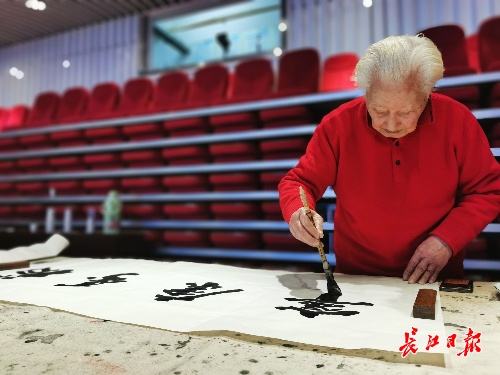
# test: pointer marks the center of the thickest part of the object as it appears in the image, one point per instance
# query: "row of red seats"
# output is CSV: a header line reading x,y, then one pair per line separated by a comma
x,y
476,53
298,73
211,85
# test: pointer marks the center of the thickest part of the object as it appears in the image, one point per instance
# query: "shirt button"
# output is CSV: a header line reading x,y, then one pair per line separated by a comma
x,y
398,162
397,143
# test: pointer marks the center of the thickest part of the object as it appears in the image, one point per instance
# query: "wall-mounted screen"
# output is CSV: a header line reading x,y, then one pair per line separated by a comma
x,y
226,32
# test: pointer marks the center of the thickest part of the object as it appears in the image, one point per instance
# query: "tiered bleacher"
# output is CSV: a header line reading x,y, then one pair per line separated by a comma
x,y
197,159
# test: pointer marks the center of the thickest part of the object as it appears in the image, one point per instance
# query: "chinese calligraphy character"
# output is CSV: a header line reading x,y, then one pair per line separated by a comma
x,y
111,279
192,291
42,272
433,341
471,341
451,341
409,345
322,306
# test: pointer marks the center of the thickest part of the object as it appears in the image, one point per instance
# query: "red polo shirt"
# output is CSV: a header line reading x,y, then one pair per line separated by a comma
x,y
441,179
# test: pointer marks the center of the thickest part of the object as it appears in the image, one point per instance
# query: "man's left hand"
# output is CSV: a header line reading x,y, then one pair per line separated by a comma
x,y
427,261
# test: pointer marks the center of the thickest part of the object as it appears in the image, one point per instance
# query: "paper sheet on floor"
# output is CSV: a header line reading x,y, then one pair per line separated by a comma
x,y
373,312
51,248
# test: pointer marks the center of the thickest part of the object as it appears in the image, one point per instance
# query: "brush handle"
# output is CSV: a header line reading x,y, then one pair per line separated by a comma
x,y
333,288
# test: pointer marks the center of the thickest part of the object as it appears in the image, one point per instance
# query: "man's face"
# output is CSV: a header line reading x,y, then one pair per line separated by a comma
x,y
394,109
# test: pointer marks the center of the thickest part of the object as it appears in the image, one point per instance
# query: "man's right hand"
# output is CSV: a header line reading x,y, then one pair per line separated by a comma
x,y
302,228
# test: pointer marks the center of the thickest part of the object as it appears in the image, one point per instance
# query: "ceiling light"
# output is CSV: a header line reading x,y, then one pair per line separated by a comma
x,y
277,51
367,3
13,71
66,64
19,74
35,4
282,26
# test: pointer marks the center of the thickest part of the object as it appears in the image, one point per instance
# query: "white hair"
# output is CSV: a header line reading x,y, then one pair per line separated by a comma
x,y
397,58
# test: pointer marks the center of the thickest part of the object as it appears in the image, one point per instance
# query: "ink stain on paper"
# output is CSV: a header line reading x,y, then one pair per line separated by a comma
x,y
111,279
43,339
192,291
182,344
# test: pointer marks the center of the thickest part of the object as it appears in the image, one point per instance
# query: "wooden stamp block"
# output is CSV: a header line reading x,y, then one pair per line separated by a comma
x,y
425,304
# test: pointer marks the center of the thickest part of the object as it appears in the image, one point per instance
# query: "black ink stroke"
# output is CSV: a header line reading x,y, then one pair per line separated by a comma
x,y
322,305
192,291
41,272
111,279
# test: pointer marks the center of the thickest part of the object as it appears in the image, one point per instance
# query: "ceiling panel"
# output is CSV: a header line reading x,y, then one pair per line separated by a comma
x,y
19,23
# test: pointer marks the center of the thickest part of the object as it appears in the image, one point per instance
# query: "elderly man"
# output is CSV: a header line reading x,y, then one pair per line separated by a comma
x,y
414,176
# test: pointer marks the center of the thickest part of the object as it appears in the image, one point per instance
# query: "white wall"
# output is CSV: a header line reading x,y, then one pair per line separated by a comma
x,y
111,51
334,26
98,53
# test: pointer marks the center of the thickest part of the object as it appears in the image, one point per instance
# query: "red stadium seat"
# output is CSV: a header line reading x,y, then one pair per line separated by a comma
x,y
235,211
236,240
186,155
488,37
66,187
284,241
141,212
337,72
172,90
187,211
13,119
234,151
450,40
471,43
141,184
32,212
209,86
136,99
43,113
494,135
236,181
101,186
73,108
103,103
489,52
3,115
252,80
186,238
298,74
16,117
32,188
185,184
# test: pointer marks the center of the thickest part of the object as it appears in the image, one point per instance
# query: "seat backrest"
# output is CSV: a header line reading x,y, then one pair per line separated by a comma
x,y
44,109
337,72
73,105
209,84
3,115
450,40
137,96
489,44
16,117
172,89
104,99
471,43
298,72
252,78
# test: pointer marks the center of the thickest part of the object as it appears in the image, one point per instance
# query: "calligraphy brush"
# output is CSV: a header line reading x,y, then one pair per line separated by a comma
x,y
333,289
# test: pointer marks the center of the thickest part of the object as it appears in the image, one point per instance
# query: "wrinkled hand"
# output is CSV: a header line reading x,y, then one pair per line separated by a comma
x,y
427,261
302,228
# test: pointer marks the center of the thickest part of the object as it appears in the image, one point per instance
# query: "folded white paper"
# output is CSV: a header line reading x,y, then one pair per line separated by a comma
x,y
51,248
